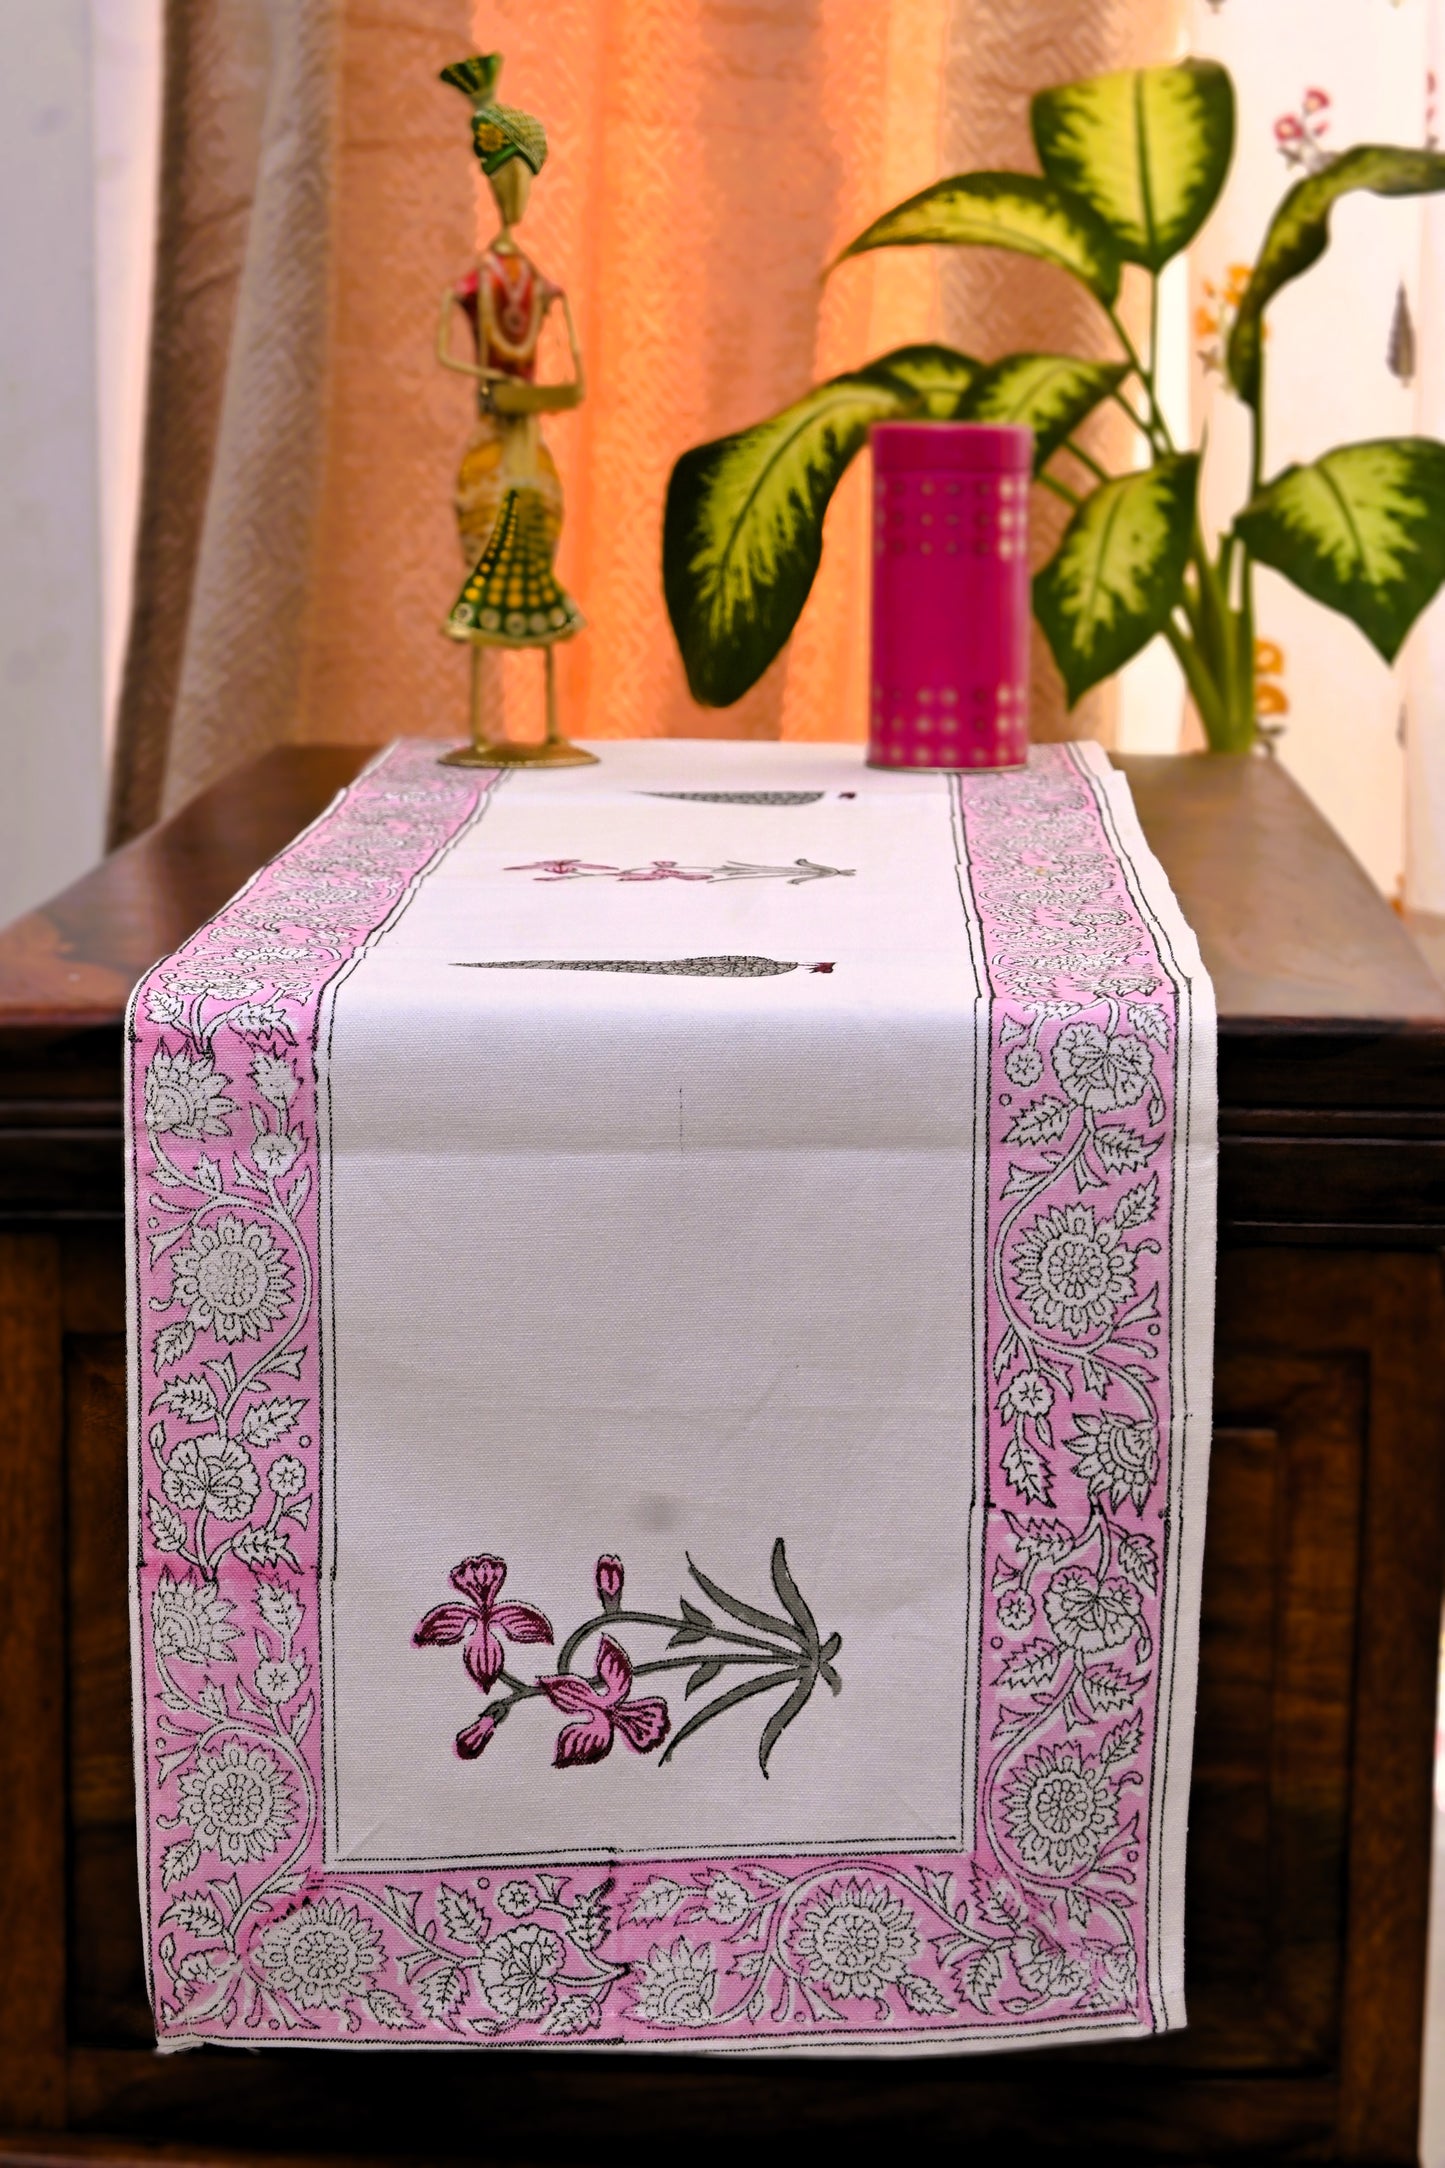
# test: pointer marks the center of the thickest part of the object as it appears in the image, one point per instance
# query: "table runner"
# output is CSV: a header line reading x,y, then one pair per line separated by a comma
x,y
671,1313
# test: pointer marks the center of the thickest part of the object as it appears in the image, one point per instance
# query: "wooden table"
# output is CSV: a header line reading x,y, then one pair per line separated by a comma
x,y
1309,1844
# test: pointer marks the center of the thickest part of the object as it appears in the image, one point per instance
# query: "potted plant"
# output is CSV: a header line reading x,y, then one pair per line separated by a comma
x,y
1132,163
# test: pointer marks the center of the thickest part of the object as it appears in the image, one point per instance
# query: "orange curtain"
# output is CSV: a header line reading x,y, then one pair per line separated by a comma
x,y
707,162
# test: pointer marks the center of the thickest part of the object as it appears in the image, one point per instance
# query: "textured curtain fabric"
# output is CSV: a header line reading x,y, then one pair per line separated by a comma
x,y
298,549
1353,352
215,85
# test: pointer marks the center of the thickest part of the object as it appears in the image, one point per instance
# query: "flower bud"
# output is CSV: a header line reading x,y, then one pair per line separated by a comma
x,y
609,1581
472,1741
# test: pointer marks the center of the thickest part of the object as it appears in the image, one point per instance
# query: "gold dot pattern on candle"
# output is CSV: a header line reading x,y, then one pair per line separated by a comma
x,y
950,550
988,521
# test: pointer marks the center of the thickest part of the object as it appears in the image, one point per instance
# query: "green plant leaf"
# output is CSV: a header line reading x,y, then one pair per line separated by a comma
x,y
1361,530
1146,148
938,375
743,529
1049,393
1117,572
1016,211
1299,234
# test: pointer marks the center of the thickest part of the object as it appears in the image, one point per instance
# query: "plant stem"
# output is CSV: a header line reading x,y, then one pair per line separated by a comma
x,y
1139,421
1245,674
1086,459
1215,630
1158,427
1060,489
608,1619
1207,695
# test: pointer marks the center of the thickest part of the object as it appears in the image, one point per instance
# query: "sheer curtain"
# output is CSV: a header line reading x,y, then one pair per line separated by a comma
x,y
297,549
1354,352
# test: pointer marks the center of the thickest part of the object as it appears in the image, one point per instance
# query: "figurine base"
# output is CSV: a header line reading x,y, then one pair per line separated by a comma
x,y
507,753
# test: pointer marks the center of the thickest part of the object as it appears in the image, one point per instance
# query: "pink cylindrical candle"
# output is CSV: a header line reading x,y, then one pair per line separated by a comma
x,y
950,663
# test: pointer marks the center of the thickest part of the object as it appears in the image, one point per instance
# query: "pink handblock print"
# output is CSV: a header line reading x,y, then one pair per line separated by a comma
x,y
797,874
560,869
783,1652
480,1581
602,1710
578,869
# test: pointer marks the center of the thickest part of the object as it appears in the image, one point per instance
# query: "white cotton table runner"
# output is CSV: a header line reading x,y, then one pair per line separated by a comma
x,y
671,1331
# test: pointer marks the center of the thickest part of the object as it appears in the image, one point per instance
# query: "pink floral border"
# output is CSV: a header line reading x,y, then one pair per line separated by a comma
x,y
1044,1929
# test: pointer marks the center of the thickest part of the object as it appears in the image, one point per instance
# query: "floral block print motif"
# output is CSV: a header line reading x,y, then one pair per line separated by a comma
x,y
1047,1923
779,1652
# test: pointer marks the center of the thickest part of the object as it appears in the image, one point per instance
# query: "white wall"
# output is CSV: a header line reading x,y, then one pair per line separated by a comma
x,y
50,701
79,108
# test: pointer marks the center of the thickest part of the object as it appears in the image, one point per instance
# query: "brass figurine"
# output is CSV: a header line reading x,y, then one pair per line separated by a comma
x,y
509,496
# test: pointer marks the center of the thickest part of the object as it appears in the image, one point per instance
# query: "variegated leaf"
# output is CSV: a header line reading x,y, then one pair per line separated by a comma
x,y
1117,573
1048,393
1361,530
1015,211
1146,148
1299,234
938,375
743,528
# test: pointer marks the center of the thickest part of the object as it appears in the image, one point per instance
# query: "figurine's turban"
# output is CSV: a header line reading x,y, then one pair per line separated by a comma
x,y
499,132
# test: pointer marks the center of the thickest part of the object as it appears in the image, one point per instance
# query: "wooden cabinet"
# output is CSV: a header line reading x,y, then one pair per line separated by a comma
x,y
1310,1824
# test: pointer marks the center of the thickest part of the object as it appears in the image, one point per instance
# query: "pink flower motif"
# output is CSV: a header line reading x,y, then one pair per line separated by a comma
x,y
664,869
609,1581
560,869
476,1736
1316,100
602,1709
481,1620
1287,128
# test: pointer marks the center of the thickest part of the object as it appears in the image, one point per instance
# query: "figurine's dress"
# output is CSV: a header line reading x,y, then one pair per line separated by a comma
x,y
509,497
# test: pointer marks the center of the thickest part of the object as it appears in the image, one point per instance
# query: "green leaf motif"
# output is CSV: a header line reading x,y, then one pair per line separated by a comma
x,y
1016,211
1146,148
937,375
1299,234
743,529
1361,530
1118,571
1048,393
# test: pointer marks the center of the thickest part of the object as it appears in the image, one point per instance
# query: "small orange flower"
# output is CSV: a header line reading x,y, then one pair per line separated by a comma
x,y
1269,662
